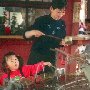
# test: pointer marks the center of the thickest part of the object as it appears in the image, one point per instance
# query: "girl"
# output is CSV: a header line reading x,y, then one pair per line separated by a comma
x,y
12,66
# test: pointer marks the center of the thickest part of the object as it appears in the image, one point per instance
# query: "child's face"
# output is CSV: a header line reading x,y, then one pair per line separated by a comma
x,y
12,63
57,13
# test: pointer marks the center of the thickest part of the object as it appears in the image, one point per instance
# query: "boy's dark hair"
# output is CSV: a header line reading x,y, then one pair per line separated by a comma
x,y
4,64
59,4
87,20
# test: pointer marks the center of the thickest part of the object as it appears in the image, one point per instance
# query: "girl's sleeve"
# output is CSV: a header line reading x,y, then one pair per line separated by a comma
x,y
1,82
2,78
31,70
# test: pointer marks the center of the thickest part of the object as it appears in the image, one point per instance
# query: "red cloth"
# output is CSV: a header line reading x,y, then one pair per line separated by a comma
x,y
7,31
62,62
27,71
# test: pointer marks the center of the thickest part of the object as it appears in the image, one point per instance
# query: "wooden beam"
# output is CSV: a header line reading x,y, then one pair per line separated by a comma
x,y
24,4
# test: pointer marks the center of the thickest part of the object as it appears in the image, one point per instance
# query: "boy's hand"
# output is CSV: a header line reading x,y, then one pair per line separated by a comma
x,y
62,42
66,41
47,63
35,33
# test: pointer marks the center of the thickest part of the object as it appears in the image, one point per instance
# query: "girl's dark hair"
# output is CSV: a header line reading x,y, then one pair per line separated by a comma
x,y
4,64
20,59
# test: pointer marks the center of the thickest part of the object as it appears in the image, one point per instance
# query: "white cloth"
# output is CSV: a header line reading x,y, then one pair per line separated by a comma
x,y
81,49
